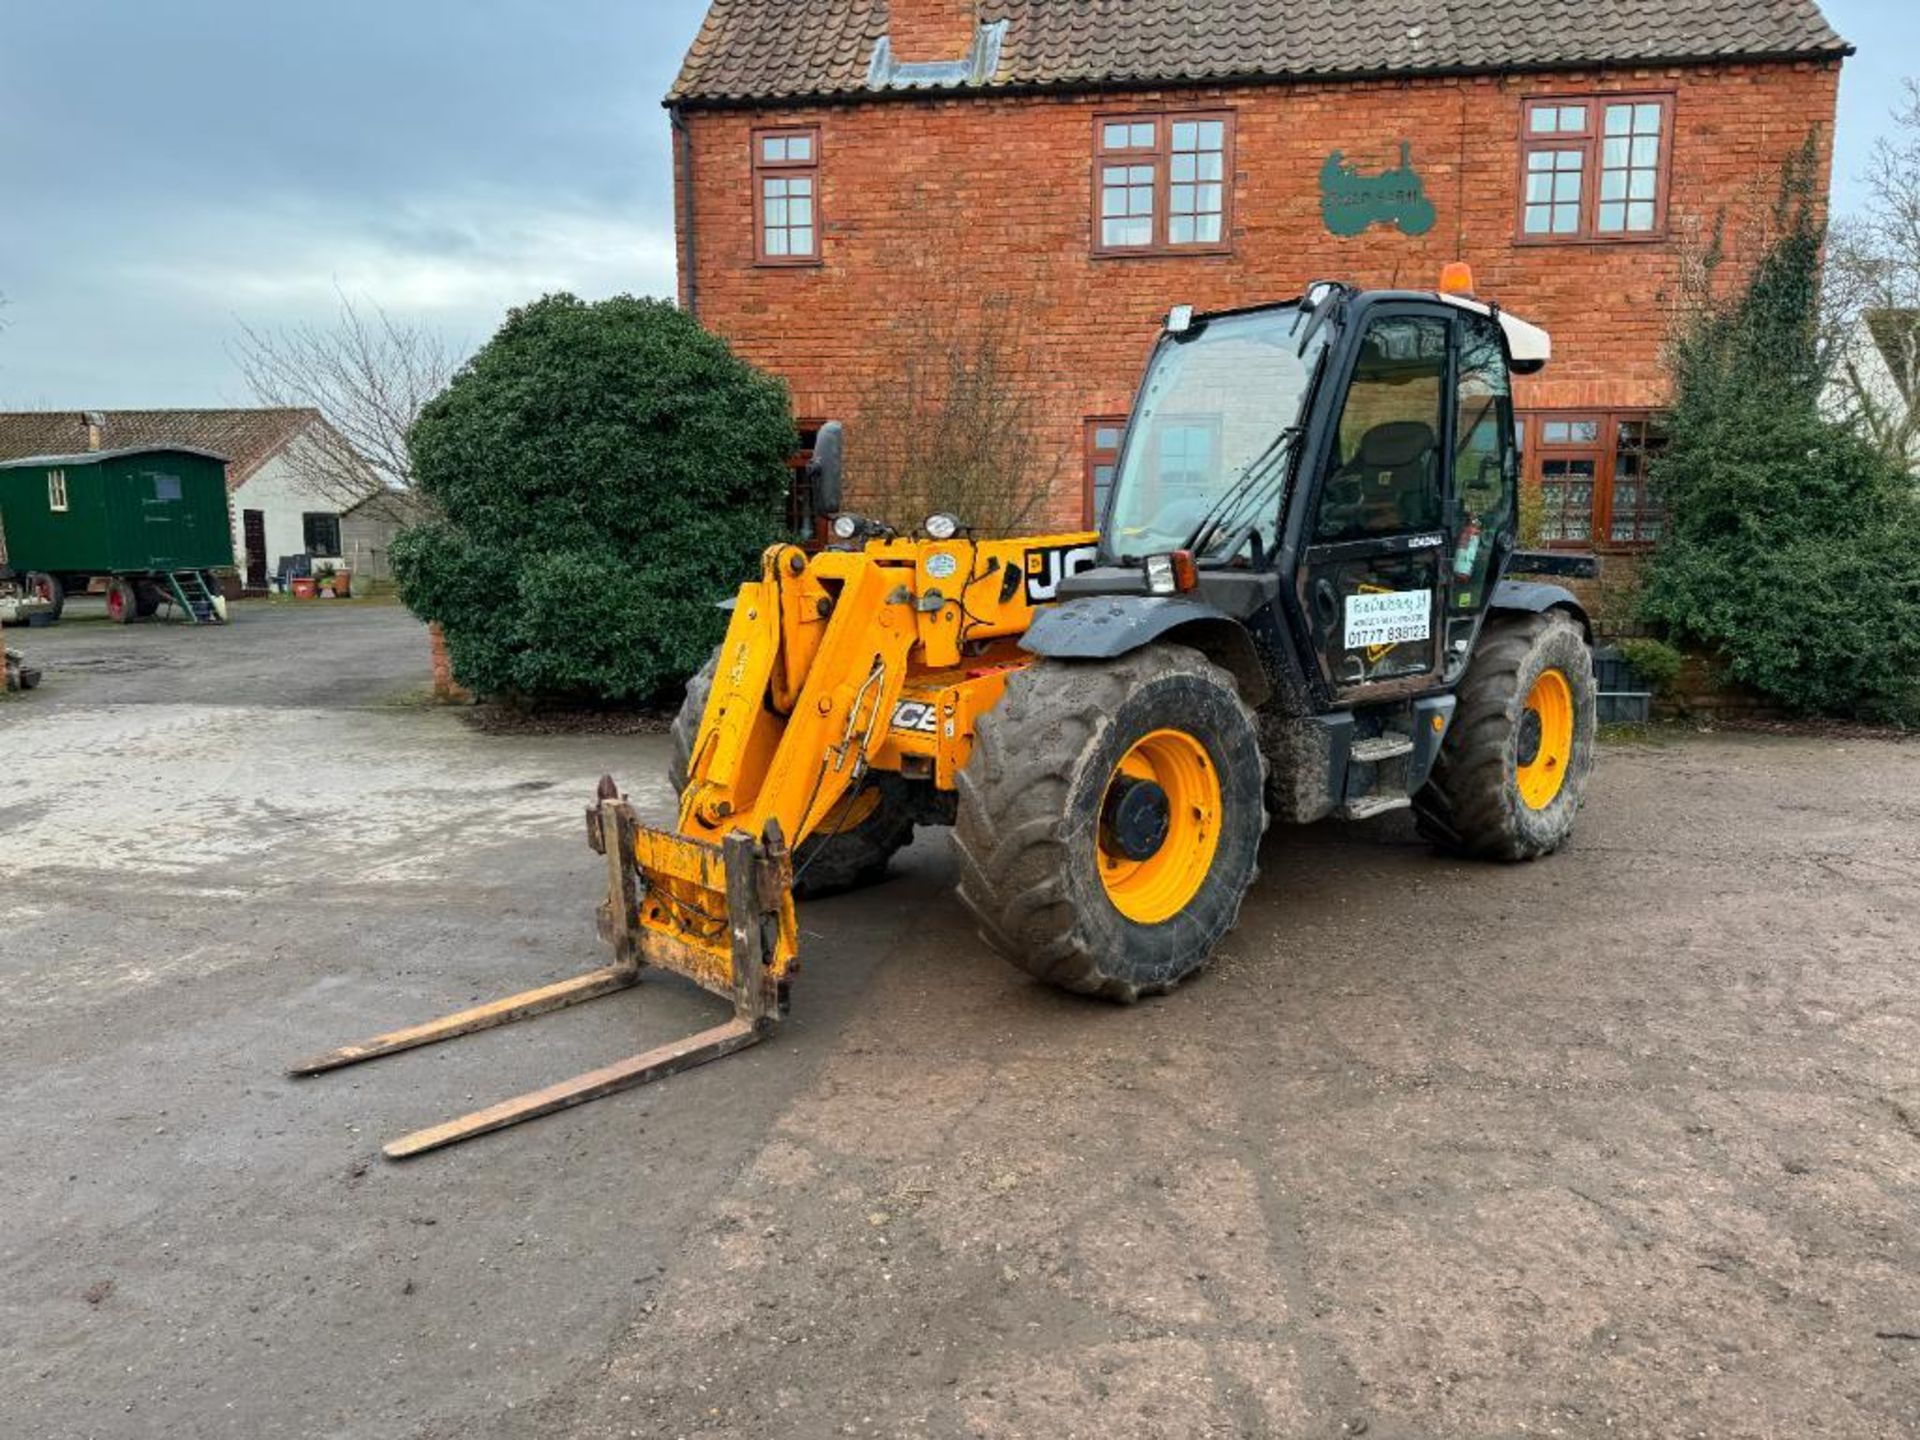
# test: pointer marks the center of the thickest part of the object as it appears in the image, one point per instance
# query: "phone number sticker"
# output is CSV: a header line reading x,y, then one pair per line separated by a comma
x,y
1388,617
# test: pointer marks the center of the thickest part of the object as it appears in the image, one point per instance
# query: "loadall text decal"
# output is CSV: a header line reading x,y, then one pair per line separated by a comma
x,y
1047,568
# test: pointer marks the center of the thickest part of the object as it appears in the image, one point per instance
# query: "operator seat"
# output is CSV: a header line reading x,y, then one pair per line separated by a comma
x,y
1388,485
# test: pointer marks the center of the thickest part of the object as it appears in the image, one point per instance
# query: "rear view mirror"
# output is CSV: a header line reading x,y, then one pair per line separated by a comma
x,y
826,469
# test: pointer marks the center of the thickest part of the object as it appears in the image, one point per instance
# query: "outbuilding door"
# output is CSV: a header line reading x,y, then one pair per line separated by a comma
x,y
253,530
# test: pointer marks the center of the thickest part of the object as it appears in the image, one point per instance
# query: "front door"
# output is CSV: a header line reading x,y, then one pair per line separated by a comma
x,y
253,527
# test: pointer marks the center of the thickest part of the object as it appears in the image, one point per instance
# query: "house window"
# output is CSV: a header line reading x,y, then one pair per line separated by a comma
x,y
1592,474
57,490
786,196
321,533
1160,183
1103,457
1594,167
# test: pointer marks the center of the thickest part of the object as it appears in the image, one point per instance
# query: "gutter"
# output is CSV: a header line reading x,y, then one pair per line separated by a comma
x,y
689,250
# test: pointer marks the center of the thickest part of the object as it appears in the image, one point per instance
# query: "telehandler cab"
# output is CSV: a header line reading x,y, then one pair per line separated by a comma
x,y
1297,606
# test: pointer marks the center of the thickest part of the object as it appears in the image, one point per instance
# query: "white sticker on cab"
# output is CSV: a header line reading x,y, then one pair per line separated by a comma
x,y
1388,617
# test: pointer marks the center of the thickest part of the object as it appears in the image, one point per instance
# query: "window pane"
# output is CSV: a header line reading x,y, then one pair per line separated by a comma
x,y
1640,215
1114,137
776,213
800,147
1539,188
1180,200
1180,230
1646,149
1568,159
800,185
1212,165
1207,229
1542,120
1185,168
1141,136
1213,134
1113,200
1385,474
1556,432
1566,219
1613,154
776,241
1646,119
1642,185
1573,119
1540,159
1612,217
802,239
1619,119
1140,200
801,211
1585,432
1613,185
1185,135
1539,220
1106,437
1566,186
1127,232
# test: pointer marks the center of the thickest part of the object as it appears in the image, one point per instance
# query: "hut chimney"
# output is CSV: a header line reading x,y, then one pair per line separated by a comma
x,y
96,429
932,30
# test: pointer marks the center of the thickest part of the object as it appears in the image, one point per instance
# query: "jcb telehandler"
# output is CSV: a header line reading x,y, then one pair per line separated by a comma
x,y
1296,606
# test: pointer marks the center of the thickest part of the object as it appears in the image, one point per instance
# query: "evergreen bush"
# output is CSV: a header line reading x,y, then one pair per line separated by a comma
x,y
602,474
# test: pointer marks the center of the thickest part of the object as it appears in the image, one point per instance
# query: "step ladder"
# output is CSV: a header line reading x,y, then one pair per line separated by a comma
x,y
1377,776
194,597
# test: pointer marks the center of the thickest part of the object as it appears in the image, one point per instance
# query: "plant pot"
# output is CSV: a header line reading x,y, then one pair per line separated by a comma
x,y
342,585
304,587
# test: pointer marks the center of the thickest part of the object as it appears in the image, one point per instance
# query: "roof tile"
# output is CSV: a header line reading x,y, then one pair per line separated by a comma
x,y
758,50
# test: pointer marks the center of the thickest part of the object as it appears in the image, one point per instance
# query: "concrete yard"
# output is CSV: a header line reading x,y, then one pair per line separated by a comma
x,y
1623,1143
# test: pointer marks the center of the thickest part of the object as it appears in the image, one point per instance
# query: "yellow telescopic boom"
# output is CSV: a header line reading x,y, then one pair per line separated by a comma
x,y
835,665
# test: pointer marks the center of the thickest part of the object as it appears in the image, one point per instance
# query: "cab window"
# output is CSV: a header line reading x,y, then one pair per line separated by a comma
x,y
1385,475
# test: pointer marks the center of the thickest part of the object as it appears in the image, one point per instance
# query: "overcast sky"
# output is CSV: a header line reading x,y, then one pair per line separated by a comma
x,y
171,168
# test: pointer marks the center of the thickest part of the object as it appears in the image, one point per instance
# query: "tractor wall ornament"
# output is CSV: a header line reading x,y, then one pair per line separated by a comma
x,y
1351,202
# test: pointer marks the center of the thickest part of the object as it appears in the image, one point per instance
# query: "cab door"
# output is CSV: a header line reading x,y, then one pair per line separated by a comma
x,y
1413,514
1373,573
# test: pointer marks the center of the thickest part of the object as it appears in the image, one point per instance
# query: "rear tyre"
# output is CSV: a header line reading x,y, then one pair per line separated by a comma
x,y
48,588
1110,819
859,838
1512,771
121,602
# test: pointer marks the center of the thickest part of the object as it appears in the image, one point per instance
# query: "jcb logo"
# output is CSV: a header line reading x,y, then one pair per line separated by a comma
x,y
917,716
1047,568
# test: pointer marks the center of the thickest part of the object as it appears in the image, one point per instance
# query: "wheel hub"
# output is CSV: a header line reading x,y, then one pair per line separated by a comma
x,y
1527,744
1135,819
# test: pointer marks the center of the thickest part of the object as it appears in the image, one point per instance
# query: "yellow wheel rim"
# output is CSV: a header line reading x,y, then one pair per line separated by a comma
x,y
850,813
1150,890
1546,740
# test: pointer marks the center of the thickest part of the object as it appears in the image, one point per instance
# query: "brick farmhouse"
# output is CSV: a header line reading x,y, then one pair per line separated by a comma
x,y
844,166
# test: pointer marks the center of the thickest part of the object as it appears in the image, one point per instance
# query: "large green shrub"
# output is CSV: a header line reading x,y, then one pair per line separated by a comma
x,y
1792,547
604,474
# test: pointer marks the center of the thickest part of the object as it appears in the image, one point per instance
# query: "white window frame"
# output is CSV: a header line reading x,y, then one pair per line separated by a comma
x,y
57,491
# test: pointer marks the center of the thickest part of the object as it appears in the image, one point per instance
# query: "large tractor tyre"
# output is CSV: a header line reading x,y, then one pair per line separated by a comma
x,y
48,588
854,845
1511,773
1110,819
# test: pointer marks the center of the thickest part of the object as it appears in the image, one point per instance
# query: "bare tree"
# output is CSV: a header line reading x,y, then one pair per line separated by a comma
x,y
368,375
953,423
1873,295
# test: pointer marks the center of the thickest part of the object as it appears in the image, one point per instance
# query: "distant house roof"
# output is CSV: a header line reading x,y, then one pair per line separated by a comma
x,y
1896,334
752,50
247,438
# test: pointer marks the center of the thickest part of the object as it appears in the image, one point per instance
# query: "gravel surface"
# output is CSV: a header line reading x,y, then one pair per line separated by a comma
x,y
1623,1143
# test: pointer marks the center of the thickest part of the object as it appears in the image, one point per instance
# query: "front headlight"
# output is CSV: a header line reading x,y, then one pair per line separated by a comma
x,y
845,527
942,526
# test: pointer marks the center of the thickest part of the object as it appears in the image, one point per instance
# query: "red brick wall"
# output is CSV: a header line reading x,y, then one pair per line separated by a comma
x,y
950,201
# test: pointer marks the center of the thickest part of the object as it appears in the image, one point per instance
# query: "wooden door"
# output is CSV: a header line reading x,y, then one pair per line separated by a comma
x,y
253,525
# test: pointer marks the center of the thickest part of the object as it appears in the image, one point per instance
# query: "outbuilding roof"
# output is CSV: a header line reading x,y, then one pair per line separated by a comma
x,y
246,439
759,50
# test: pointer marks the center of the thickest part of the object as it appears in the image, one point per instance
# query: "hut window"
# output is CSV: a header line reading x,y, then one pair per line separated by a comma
x,y
166,487
56,490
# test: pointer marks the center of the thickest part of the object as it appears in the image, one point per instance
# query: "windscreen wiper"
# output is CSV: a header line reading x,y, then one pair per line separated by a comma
x,y
1234,499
